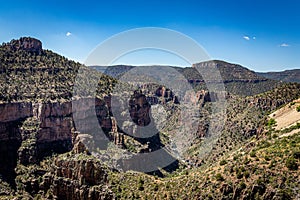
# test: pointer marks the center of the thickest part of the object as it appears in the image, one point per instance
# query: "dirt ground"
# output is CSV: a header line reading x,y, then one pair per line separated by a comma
x,y
286,116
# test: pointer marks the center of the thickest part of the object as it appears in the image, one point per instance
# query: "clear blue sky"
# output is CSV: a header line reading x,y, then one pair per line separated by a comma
x,y
261,35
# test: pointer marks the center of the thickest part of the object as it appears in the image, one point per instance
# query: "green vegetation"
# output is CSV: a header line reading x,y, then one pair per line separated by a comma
x,y
298,108
223,162
291,163
219,177
28,76
252,154
263,172
291,128
271,122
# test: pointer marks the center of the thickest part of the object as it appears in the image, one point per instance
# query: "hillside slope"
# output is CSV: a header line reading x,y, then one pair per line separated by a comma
x,y
285,76
263,169
30,73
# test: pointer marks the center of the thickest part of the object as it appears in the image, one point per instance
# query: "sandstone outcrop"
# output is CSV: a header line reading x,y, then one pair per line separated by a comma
x,y
68,176
139,109
77,177
200,97
27,44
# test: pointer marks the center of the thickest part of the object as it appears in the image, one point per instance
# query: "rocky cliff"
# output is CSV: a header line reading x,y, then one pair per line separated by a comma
x,y
32,131
27,44
12,116
68,176
78,177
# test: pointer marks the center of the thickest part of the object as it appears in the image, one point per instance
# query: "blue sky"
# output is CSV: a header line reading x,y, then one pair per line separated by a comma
x,y
261,35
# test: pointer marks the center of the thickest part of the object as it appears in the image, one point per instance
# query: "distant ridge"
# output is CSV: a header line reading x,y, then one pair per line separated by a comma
x,y
285,76
237,79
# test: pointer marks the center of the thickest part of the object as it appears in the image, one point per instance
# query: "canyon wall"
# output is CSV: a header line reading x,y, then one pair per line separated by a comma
x,y
36,130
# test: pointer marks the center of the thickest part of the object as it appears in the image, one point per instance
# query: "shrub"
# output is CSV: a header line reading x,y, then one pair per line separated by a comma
x,y
271,122
265,144
239,175
260,181
267,158
223,162
272,164
298,108
284,194
296,154
247,174
242,169
219,177
242,185
252,154
236,157
38,197
247,161
291,164
141,184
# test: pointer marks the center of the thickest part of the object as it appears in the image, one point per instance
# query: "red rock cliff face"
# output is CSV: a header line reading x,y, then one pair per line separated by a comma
x,y
55,118
139,109
11,117
12,114
76,179
15,111
85,112
56,121
68,177
31,131
201,97
167,95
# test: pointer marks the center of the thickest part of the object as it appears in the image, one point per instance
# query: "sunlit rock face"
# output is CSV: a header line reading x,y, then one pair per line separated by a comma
x,y
27,44
139,109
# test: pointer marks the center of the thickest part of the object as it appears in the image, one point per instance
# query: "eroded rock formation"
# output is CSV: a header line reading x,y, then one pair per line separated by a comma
x,y
77,178
139,109
27,44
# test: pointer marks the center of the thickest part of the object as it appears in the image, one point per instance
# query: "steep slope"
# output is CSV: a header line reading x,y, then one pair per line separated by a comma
x,y
246,117
285,76
263,169
36,119
29,73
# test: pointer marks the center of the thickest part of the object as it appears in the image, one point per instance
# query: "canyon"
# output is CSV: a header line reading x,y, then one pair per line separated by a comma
x,y
52,139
